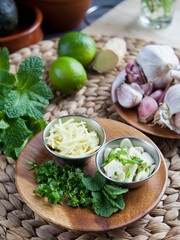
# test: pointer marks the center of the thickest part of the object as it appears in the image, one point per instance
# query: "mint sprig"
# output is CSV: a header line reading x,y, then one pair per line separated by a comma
x,y
22,103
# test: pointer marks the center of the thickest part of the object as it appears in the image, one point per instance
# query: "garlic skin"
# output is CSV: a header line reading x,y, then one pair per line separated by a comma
x,y
157,61
127,96
171,106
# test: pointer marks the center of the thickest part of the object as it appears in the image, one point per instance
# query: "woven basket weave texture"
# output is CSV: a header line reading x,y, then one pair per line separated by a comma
x,y
18,222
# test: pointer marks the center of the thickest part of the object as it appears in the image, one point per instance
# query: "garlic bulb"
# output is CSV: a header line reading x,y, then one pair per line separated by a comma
x,y
171,106
127,96
157,61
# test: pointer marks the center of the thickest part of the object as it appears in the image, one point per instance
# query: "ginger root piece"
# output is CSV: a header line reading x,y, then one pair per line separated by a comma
x,y
110,55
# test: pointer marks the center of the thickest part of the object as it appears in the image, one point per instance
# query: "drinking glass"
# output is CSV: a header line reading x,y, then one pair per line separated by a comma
x,y
156,14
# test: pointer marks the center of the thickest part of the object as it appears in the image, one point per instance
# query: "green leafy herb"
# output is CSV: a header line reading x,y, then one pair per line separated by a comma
x,y
118,156
113,156
115,190
22,103
127,175
102,206
141,167
79,188
4,59
95,183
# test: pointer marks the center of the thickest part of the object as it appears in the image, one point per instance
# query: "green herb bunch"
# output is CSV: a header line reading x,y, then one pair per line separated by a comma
x,y
22,103
78,187
156,5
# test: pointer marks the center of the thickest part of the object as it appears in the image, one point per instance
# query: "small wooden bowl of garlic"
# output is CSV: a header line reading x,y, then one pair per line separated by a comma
x,y
129,162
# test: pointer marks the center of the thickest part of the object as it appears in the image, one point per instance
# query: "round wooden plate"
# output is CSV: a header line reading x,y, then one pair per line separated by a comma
x,y
131,116
138,202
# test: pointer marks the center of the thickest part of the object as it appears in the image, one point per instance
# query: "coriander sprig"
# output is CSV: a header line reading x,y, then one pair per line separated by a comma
x,y
78,187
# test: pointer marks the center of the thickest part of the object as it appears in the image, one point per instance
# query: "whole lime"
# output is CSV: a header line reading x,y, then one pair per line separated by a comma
x,y
78,45
67,75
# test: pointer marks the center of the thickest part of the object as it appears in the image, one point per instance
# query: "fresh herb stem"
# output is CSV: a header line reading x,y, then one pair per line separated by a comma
x,y
155,6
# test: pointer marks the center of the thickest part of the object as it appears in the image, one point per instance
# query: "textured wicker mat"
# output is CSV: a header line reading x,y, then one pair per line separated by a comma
x,y
17,221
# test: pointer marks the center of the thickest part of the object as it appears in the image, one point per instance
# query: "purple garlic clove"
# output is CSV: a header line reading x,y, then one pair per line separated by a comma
x,y
157,95
147,109
134,73
128,97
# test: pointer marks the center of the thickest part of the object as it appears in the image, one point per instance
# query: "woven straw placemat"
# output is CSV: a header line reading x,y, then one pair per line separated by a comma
x,y
17,221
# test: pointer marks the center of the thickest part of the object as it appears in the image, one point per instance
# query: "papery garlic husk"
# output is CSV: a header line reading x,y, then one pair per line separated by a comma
x,y
171,106
157,61
127,96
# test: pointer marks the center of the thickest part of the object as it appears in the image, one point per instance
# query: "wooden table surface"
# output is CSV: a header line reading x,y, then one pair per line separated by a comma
x,y
122,20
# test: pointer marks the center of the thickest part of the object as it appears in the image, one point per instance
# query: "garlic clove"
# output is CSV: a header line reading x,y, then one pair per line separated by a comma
x,y
172,99
127,96
175,74
137,87
161,100
162,118
156,62
134,73
157,94
147,88
147,109
171,106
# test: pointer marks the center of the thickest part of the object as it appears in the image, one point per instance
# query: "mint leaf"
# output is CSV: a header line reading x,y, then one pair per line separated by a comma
x,y
15,104
36,126
6,78
101,205
10,152
35,110
115,190
40,92
118,202
4,59
95,183
16,134
17,151
3,123
30,72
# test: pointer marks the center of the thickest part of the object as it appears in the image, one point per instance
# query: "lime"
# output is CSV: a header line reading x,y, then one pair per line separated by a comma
x,y
77,45
67,75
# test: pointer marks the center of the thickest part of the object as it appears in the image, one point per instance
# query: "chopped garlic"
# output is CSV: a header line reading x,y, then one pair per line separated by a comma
x,y
72,139
128,163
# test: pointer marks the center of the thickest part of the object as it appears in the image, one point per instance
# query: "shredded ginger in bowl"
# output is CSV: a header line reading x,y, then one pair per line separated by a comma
x,y
72,139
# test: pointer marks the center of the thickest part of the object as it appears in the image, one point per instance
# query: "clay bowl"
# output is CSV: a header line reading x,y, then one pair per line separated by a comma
x,y
28,30
62,15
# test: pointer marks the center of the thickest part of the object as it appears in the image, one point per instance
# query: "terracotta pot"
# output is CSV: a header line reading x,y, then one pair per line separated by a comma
x,y
28,30
62,15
